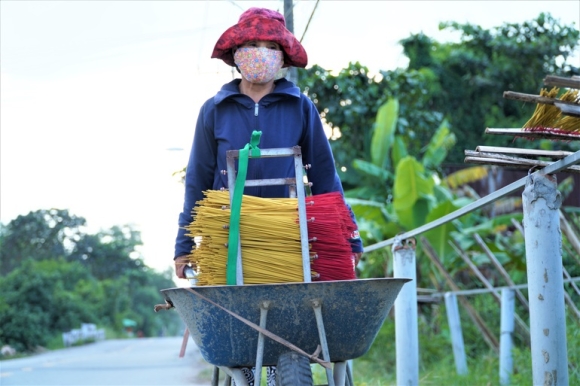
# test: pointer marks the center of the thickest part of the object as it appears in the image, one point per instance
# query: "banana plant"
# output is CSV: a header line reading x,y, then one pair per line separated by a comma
x,y
404,192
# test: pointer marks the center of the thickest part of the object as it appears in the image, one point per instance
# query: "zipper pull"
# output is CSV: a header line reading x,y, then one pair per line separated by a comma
x,y
256,110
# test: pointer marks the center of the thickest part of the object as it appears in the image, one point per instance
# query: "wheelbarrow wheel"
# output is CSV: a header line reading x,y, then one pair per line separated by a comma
x,y
293,369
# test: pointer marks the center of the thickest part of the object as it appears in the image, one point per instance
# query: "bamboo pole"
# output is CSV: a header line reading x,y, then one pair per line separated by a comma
x,y
569,232
478,291
488,336
571,253
567,297
571,305
501,269
518,227
567,276
488,285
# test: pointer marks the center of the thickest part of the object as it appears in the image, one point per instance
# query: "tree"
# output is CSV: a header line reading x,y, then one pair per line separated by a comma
x,y
456,85
349,101
394,140
143,292
39,300
473,73
58,276
39,235
109,253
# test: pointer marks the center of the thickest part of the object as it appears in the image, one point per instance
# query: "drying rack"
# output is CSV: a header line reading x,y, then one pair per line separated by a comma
x,y
529,158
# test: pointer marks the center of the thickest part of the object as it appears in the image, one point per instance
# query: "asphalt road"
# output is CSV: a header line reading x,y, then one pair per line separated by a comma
x,y
135,362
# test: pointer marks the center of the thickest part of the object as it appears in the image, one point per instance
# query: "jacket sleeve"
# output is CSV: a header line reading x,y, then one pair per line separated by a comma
x,y
199,175
317,152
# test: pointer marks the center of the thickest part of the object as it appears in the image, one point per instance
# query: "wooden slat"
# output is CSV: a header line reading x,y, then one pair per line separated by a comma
x,y
532,134
566,109
527,161
556,154
551,80
534,98
506,160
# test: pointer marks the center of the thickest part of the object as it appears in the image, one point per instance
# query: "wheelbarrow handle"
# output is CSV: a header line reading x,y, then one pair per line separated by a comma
x,y
191,275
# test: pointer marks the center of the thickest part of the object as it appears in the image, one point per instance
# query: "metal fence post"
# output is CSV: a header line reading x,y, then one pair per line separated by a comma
x,y
454,322
543,241
506,363
406,327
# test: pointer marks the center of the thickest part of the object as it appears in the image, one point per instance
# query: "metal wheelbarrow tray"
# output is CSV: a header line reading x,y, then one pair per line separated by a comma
x,y
353,311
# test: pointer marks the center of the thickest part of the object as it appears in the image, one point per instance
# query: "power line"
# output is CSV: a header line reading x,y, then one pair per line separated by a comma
x,y
309,20
236,4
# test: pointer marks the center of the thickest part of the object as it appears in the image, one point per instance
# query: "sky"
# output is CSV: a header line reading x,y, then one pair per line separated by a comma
x,y
98,99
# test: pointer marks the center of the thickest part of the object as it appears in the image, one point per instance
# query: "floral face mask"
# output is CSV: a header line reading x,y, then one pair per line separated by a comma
x,y
258,64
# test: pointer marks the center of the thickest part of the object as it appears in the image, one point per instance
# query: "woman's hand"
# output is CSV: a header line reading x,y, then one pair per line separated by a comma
x,y
181,262
357,257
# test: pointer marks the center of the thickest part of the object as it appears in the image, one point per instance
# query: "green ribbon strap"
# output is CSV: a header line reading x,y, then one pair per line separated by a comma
x,y
236,206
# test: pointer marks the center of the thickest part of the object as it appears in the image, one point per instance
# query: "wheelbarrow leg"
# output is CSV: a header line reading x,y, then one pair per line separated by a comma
x,y
340,373
317,306
215,377
349,380
264,306
236,374
184,343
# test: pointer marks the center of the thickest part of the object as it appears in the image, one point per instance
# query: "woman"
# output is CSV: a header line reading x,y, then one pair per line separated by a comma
x,y
259,45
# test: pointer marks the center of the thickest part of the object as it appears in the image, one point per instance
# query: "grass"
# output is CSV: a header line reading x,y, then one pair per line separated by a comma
x,y
378,367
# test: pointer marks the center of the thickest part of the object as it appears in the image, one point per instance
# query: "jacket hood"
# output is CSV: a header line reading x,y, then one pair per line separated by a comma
x,y
283,89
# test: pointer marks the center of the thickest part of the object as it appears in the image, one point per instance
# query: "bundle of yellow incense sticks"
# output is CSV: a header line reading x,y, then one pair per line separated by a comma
x,y
549,118
269,238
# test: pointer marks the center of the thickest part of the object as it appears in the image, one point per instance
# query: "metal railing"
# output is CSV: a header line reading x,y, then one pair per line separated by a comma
x,y
550,169
404,265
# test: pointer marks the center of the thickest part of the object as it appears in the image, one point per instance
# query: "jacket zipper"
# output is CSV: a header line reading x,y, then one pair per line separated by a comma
x,y
255,174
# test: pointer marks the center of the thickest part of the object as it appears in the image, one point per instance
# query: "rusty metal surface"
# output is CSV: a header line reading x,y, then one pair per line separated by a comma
x,y
353,312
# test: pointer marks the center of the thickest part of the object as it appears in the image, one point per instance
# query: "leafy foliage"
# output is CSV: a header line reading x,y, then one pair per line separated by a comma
x,y
40,298
349,103
391,132
56,276
384,133
108,254
44,234
472,75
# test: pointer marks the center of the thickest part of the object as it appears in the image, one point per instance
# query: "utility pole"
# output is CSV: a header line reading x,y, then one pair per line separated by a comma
x,y
289,16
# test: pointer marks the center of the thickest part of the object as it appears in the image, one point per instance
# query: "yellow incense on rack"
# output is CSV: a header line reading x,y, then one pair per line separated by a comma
x,y
547,117
269,238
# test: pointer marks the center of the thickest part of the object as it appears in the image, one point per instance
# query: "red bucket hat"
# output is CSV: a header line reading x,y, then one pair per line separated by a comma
x,y
261,24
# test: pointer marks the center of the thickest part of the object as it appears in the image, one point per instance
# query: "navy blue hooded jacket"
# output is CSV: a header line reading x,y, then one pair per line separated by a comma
x,y
286,118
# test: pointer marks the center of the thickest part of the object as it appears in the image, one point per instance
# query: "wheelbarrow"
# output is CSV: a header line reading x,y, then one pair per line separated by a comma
x,y
230,323
341,319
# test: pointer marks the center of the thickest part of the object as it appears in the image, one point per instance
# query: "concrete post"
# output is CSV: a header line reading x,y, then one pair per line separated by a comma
x,y
541,204
406,327
506,362
454,322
